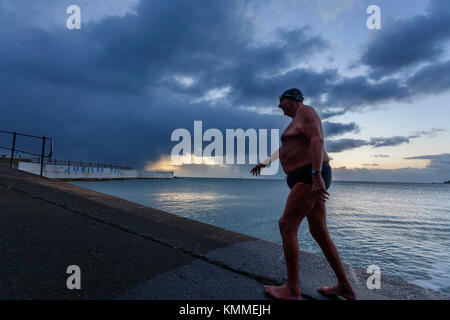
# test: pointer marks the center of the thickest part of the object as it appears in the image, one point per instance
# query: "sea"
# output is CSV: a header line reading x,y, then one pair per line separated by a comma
x,y
404,228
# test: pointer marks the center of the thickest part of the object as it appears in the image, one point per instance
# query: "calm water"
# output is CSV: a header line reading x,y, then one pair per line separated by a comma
x,y
402,228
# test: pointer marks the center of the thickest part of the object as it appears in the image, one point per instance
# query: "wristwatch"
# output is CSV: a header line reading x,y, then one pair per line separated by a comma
x,y
315,172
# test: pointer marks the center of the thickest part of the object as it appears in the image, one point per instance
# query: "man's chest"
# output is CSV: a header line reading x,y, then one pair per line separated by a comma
x,y
292,131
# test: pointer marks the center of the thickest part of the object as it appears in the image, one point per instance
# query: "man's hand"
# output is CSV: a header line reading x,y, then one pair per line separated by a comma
x,y
318,187
257,169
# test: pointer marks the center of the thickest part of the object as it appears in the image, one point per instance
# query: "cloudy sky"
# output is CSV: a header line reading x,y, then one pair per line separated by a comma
x,y
117,88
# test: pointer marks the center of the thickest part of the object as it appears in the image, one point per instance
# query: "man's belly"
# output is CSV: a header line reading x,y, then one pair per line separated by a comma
x,y
294,155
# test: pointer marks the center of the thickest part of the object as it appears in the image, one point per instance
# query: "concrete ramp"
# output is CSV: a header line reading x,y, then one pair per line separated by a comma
x,y
129,251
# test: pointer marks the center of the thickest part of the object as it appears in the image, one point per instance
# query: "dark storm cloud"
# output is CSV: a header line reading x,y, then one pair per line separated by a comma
x,y
344,144
332,129
110,91
438,161
431,133
330,113
410,41
107,92
358,92
431,79
211,42
339,145
397,140
389,142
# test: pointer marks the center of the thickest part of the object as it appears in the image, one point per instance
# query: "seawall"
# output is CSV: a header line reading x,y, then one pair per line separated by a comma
x,y
129,251
90,172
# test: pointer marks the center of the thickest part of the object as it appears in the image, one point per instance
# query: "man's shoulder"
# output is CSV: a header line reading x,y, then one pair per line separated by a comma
x,y
306,111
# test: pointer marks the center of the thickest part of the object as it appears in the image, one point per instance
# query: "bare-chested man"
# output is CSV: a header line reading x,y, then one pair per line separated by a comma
x,y
304,160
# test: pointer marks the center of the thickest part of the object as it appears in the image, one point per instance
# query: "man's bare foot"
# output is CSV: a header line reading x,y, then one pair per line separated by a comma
x,y
344,291
282,292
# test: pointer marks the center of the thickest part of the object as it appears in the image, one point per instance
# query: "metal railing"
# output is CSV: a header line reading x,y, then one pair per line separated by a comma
x,y
13,148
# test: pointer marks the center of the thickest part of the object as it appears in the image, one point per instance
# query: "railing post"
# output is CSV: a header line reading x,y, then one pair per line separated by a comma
x,y
12,150
42,155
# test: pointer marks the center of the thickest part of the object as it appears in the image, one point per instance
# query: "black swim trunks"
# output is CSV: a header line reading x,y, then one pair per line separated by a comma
x,y
304,175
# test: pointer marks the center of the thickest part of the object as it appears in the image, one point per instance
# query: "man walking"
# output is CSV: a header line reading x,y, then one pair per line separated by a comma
x,y
304,160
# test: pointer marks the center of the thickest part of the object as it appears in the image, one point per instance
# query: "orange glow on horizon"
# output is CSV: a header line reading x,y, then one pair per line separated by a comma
x,y
165,162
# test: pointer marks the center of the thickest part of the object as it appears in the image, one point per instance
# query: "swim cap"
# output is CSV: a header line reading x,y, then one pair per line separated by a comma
x,y
292,94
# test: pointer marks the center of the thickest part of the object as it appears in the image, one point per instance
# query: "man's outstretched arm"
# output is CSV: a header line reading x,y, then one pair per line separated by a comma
x,y
257,169
273,157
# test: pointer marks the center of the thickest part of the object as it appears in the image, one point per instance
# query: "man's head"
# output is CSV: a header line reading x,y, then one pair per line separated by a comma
x,y
290,101
292,94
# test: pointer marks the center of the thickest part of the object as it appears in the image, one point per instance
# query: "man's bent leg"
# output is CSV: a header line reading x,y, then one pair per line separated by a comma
x,y
319,231
299,203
